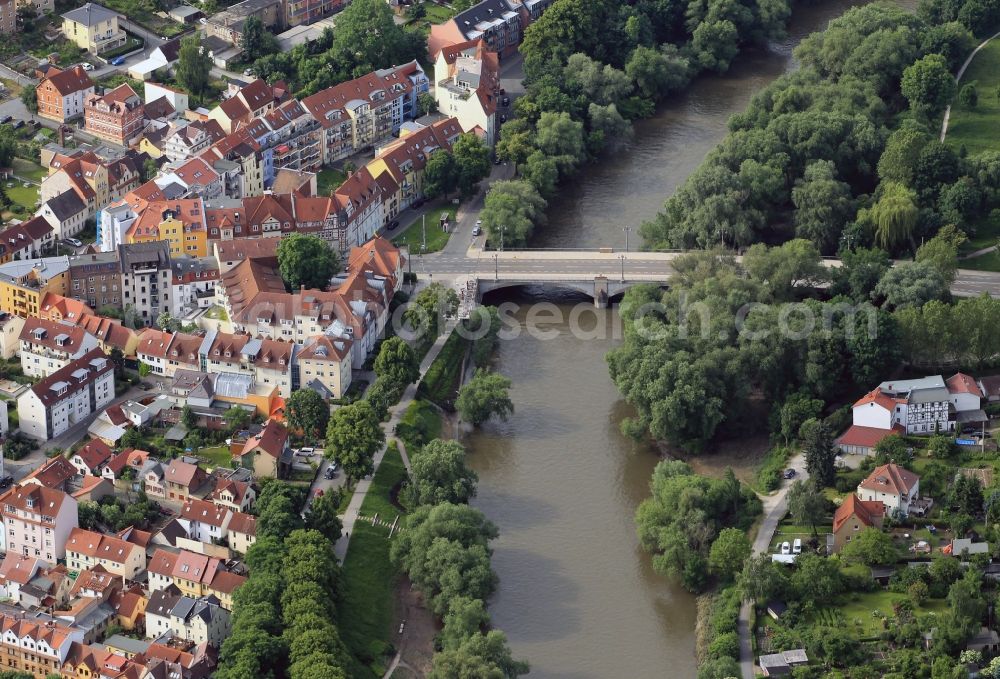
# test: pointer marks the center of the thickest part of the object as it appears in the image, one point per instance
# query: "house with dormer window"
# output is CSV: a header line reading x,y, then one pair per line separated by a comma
x,y
37,521
67,397
47,346
895,487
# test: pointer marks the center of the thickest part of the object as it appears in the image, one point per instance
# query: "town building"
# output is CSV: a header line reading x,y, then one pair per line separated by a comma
x,y
89,549
115,116
8,17
895,487
252,101
182,479
26,240
95,279
61,94
498,23
47,346
58,308
23,284
324,365
145,278
853,516
195,575
193,284
467,86
227,25
162,58
201,620
66,397
358,114
189,140
205,521
237,496
180,222
39,647
91,458
37,521
93,28
267,453
242,532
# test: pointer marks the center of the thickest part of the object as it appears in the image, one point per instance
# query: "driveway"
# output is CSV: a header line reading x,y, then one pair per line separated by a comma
x,y
775,507
322,483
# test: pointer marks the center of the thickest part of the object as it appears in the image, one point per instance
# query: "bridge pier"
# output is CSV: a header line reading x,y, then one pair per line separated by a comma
x,y
601,292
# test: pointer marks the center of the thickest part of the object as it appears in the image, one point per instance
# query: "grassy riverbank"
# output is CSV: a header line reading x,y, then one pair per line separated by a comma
x,y
975,128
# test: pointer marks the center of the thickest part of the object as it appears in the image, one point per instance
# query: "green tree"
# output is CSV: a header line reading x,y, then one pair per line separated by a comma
x,y
817,444
306,410
928,85
728,553
465,618
279,517
807,504
188,417
306,260
144,369
823,206
472,162
871,547
941,447
193,67
257,41
481,655
353,437
902,150
486,395
894,215
30,100
543,173
368,38
440,174
942,251
440,475
714,45
794,412
561,137
323,515
911,284
658,72
427,311
512,209
397,362
968,96
237,418
760,579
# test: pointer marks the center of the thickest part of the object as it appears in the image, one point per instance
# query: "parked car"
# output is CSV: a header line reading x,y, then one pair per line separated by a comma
x,y
87,66
75,242
6,119
329,473
477,230
248,73
203,21
393,224
18,125
6,481
797,546
334,466
786,547
503,117
506,101
417,203
790,473
117,61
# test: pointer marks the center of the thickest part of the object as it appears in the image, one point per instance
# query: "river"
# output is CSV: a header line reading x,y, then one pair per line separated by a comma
x,y
577,596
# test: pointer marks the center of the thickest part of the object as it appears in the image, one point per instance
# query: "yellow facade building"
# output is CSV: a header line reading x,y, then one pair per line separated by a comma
x,y
93,28
23,284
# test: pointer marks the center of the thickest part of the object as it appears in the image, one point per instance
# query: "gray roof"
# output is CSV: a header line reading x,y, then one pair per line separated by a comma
x,y
127,643
151,253
90,14
485,11
66,205
232,385
45,267
905,386
929,395
320,389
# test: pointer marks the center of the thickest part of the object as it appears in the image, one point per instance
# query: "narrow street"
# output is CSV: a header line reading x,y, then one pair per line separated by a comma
x,y
775,507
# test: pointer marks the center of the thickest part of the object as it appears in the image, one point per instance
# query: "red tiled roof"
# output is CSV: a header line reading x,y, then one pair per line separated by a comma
x,y
865,437
95,453
243,523
204,511
69,81
54,473
867,511
960,383
48,331
100,546
271,440
877,396
890,478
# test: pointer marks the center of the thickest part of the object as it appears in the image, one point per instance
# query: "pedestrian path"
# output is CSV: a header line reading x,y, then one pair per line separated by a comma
x,y
395,415
958,79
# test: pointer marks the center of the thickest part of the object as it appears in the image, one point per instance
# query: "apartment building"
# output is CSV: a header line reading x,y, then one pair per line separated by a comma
x,y
268,361
242,532
179,222
193,284
89,549
189,140
237,496
205,521
37,646
267,453
199,620
47,346
26,240
182,478
253,101
467,86
23,284
115,116
145,278
195,575
67,396
357,114
95,279
38,521
8,16
91,458
324,365
61,94
498,23
93,28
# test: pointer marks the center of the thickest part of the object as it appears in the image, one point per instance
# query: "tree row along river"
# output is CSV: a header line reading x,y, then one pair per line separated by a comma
x,y
577,596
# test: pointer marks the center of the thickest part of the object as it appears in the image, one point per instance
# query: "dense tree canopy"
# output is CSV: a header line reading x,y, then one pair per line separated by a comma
x,y
306,260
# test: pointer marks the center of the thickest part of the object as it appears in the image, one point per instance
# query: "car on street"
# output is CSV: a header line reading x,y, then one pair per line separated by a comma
x,y
393,224
6,481
87,66
329,473
797,546
6,119
248,73
75,242
506,101
503,117
786,547
477,230
790,473
203,21
117,61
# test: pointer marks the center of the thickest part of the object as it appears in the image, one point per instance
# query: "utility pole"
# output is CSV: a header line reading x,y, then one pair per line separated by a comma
x,y
496,266
622,258
626,229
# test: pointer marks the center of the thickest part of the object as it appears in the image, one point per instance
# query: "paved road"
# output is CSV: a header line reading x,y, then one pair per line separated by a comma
x,y
395,414
775,507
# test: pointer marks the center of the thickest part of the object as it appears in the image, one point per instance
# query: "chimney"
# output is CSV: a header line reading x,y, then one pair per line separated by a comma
x,y
62,135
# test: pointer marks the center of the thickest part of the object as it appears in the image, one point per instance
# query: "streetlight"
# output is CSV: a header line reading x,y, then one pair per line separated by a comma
x,y
622,258
626,229
496,266
502,230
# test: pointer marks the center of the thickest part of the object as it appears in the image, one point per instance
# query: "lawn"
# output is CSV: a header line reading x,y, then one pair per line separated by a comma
x,y
988,262
25,196
329,179
217,313
216,456
858,615
975,129
29,170
420,423
368,575
413,234
437,14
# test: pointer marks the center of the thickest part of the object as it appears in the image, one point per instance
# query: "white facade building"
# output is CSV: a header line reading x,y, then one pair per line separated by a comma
x,y
67,396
